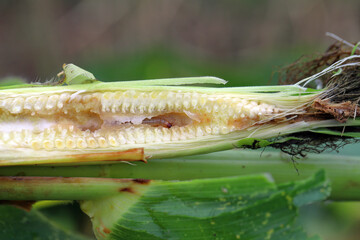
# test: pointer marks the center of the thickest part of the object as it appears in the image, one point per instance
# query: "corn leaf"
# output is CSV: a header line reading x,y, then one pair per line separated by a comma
x,y
19,224
343,132
247,207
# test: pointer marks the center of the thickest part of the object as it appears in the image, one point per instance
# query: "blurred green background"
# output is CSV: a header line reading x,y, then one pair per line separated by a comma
x,y
241,41
244,42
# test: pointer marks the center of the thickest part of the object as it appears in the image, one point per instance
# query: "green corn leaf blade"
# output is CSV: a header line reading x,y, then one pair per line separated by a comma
x,y
19,224
344,132
246,207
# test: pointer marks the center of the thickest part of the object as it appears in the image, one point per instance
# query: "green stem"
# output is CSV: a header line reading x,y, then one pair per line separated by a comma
x,y
344,172
58,188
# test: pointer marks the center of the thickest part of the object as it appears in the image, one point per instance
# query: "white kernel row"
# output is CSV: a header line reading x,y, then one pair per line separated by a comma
x,y
52,139
49,104
138,103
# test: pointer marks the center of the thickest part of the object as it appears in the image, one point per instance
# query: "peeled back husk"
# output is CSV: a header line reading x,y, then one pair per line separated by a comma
x,y
80,120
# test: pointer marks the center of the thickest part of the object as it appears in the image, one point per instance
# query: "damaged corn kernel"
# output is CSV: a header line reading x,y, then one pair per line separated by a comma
x,y
112,118
96,121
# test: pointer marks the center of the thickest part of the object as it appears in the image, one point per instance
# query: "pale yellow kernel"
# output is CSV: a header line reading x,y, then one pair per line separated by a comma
x,y
186,104
187,95
171,95
60,105
133,108
268,111
178,105
48,145
112,141
129,136
256,108
203,99
102,142
40,103
149,135
166,134
153,95
224,130
64,97
139,135
158,135
125,106
252,115
129,94
175,134
91,142
107,95
199,132
207,129
35,144
161,95
208,108
29,102
215,130
118,95
70,143
105,108
190,131
262,110
52,101
194,103
59,144
81,143
160,106
141,109
17,105
87,98
150,108
7,103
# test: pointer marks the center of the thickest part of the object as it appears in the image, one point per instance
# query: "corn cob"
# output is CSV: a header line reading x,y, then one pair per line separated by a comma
x,y
91,121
